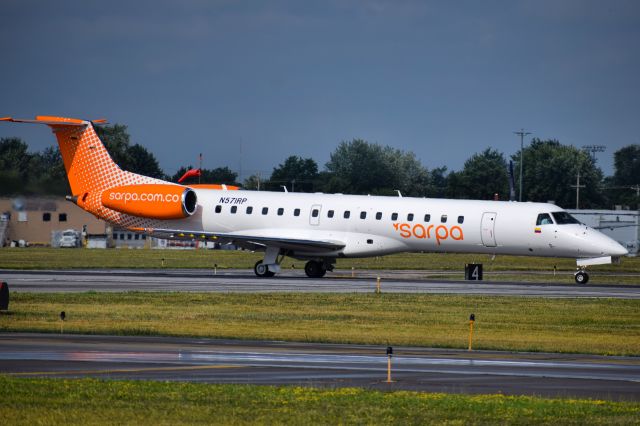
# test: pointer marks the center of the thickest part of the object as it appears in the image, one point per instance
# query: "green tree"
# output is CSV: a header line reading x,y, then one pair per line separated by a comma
x,y
437,182
15,166
550,169
133,158
484,174
360,167
297,173
144,162
49,175
626,178
117,141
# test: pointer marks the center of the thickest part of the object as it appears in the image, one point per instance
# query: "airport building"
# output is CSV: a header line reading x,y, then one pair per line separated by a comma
x,y
55,222
42,221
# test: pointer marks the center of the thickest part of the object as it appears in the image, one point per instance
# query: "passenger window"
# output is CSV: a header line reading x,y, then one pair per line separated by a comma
x,y
280,211
265,210
544,219
46,217
460,219
443,218
218,208
347,213
296,212
234,209
363,215
249,210
62,217
427,218
315,213
378,215
394,216
330,213
410,217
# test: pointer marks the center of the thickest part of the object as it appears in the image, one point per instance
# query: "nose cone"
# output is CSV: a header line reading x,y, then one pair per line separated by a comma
x,y
616,249
607,246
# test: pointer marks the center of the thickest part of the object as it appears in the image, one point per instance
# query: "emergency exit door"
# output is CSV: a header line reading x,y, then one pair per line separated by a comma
x,y
487,231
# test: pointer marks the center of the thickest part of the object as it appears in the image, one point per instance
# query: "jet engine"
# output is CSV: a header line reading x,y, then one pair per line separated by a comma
x,y
153,201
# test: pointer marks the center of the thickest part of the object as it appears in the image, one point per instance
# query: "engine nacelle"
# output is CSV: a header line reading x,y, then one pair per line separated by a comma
x,y
154,201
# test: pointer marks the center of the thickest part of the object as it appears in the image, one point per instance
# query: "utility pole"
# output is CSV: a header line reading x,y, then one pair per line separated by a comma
x,y
577,186
522,134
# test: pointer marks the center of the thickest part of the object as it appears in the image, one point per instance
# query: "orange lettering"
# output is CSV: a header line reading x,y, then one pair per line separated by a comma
x,y
460,235
422,234
443,236
429,231
405,230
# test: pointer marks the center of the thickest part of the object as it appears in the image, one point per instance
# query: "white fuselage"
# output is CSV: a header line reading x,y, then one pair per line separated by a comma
x,y
378,225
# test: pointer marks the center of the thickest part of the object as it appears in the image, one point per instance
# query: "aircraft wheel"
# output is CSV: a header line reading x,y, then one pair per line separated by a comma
x,y
315,269
582,277
262,270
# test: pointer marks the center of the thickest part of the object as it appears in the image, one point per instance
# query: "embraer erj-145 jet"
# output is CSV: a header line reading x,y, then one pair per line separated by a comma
x,y
318,228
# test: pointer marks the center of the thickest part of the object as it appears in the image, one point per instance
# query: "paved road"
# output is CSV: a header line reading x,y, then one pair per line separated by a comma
x,y
224,361
291,281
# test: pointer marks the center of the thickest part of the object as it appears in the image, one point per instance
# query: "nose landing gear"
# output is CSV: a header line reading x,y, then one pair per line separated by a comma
x,y
581,277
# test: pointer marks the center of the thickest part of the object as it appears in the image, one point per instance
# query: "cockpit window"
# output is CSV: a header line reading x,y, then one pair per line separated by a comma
x,y
564,218
544,219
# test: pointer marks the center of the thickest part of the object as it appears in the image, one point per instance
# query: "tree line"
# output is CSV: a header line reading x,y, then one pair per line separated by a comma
x,y
359,167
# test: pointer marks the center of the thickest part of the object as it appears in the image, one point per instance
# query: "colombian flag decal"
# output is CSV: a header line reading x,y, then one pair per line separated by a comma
x,y
538,231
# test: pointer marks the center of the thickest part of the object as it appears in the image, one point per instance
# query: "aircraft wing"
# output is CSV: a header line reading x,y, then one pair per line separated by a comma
x,y
247,241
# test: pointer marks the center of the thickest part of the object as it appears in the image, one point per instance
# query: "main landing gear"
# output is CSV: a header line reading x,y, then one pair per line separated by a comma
x,y
315,269
270,265
262,270
581,277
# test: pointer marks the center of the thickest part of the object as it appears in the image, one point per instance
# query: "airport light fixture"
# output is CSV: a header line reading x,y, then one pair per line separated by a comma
x,y
522,134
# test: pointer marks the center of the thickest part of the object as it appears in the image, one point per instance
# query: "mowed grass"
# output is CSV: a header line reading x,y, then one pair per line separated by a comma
x,y
595,326
48,258
91,401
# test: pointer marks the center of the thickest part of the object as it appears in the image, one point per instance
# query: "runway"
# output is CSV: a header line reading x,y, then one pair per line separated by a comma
x,y
326,365
293,281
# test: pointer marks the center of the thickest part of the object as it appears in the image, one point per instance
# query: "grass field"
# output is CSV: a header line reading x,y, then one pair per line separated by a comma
x,y
609,327
90,401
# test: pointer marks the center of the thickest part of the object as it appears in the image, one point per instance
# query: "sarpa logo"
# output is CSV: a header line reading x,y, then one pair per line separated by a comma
x,y
440,232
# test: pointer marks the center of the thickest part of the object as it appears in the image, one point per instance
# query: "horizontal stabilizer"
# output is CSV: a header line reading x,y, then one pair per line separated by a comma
x,y
49,120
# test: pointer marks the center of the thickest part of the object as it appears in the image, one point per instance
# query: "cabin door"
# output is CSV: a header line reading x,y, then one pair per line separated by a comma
x,y
487,229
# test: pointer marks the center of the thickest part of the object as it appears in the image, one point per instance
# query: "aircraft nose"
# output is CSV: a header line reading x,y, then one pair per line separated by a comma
x,y
610,247
617,249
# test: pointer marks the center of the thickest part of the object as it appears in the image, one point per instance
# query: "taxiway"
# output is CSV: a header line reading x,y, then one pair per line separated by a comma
x,y
293,281
280,363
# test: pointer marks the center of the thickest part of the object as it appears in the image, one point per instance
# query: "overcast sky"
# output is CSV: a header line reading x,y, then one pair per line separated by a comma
x,y
250,83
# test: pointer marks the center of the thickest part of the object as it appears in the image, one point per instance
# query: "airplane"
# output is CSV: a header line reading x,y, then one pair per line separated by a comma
x,y
316,228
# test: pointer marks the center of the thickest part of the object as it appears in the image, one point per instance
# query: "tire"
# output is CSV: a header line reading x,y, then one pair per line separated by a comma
x,y
262,270
315,269
582,277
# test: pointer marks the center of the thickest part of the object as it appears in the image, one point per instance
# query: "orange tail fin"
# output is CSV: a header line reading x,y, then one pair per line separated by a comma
x,y
89,166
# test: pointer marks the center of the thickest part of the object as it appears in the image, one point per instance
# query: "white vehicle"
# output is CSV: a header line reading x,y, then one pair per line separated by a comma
x,y
318,228
69,238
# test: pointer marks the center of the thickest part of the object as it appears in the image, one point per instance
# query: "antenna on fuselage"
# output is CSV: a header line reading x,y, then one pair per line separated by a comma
x,y
399,193
285,188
